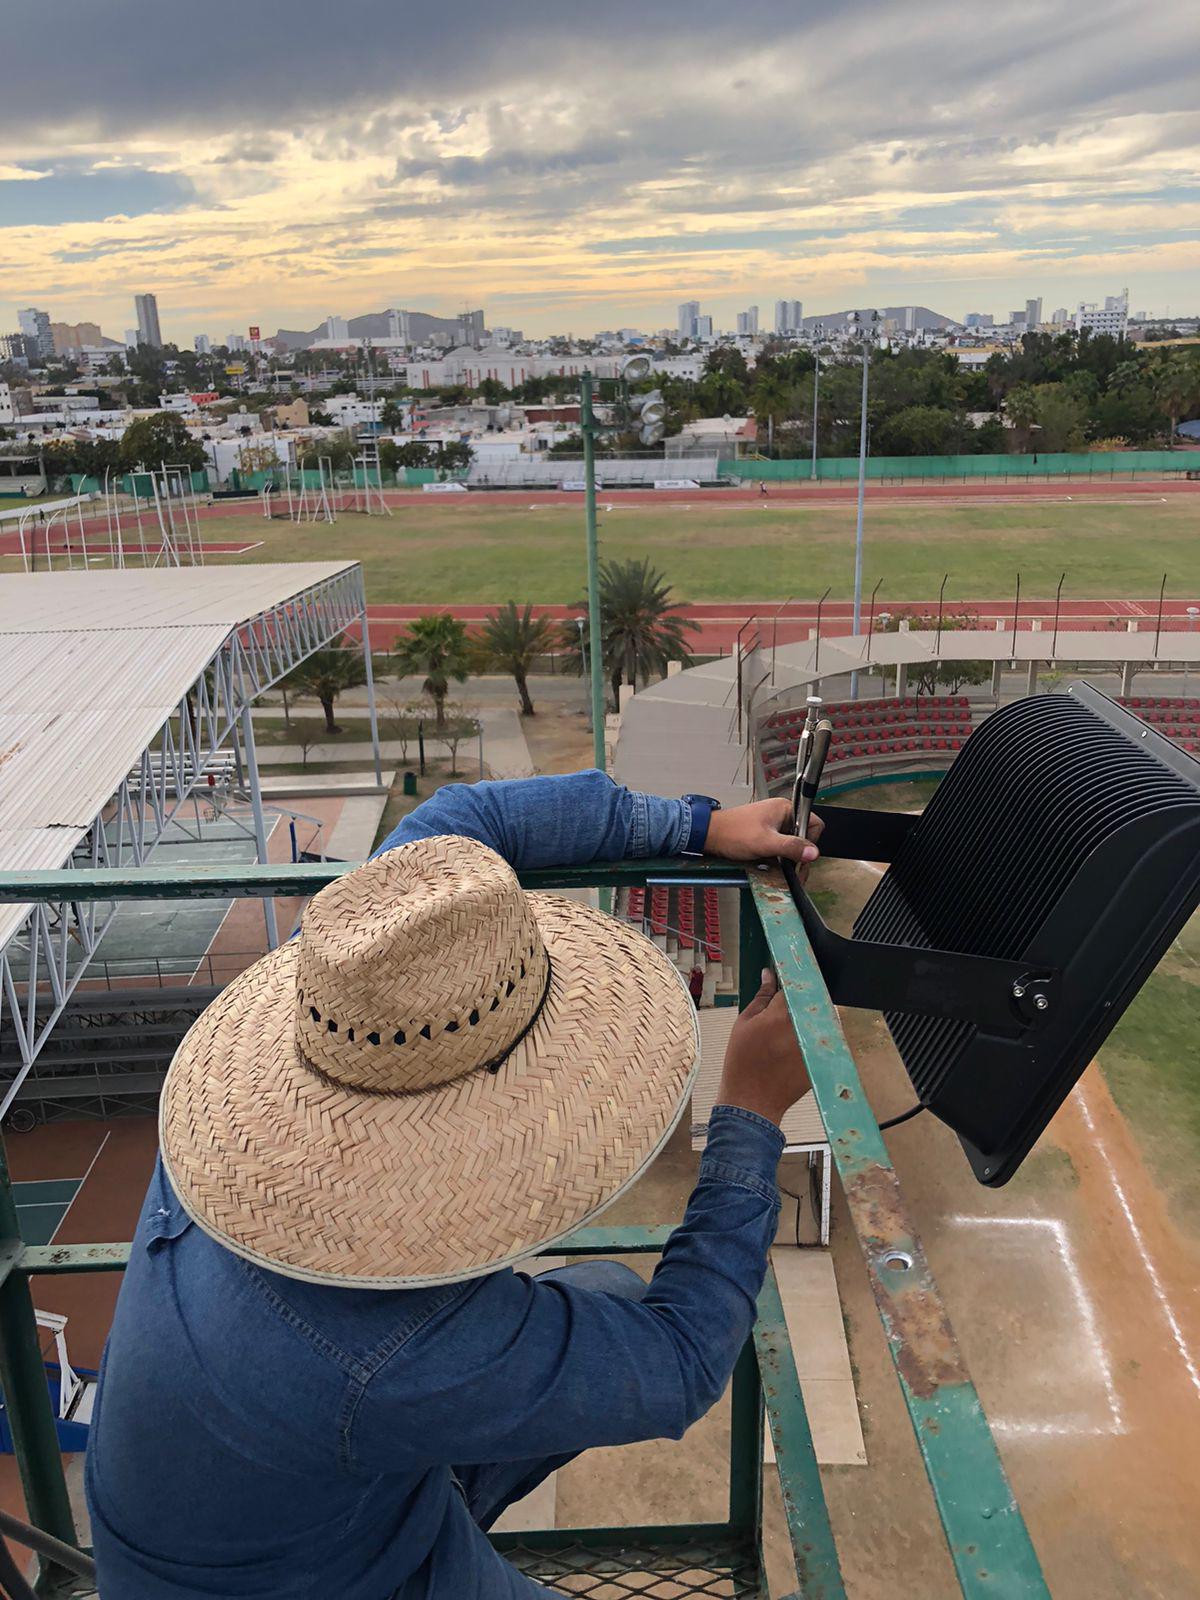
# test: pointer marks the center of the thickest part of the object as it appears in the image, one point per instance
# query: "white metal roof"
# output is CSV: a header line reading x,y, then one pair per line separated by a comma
x,y
167,597
91,666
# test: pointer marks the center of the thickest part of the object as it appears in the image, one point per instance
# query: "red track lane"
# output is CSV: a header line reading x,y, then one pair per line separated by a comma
x,y
721,621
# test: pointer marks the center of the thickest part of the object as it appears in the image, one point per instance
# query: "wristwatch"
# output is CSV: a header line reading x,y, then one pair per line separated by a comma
x,y
701,807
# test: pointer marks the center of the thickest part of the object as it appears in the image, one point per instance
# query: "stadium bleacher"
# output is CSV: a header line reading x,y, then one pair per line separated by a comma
x,y
932,725
685,922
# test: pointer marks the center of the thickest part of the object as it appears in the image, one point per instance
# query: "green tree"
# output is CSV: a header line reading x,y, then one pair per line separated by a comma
x,y
456,456
512,640
951,675
640,629
438,647
392,415
1177,389
325,674
918,431
151,441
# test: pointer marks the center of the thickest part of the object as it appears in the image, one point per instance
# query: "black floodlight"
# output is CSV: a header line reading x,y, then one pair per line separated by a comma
x,y
1021,912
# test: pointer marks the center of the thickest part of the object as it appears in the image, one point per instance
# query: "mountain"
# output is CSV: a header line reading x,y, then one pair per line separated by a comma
x,y
923,317
374,325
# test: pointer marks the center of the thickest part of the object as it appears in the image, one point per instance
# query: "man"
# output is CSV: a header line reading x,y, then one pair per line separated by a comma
x,y
325,1377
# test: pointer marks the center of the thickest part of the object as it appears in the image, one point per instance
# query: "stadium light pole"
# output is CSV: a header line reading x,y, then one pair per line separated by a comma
x,y
652,412
587,426
867,323
818,332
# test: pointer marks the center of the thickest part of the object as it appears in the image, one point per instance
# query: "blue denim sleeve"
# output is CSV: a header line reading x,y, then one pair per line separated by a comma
x,y
551,821
518,1368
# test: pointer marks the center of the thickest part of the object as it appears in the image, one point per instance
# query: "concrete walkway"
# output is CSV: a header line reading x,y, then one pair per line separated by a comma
x,y
505,752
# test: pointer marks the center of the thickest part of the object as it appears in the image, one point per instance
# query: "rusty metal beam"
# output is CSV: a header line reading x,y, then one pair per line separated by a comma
x,y
986,1534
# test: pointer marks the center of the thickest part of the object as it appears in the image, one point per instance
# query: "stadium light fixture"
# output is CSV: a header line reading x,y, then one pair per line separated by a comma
x,y
1021,912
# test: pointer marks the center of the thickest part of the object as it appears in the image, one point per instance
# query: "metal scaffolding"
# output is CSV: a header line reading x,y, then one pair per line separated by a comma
x,y
45,953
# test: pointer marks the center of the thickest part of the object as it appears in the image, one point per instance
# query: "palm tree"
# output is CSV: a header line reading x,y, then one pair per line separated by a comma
x,y
437,646
512,640
325,674
1176,388
639,634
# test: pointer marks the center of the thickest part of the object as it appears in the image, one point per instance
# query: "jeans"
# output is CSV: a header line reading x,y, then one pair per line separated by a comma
x,y
490,1489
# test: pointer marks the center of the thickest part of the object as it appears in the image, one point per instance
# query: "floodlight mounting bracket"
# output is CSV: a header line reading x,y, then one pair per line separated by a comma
x,y
1004,998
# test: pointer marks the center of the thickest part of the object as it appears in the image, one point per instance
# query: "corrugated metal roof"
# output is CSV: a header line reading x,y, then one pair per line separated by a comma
x,y
802,1124
168,597
91,666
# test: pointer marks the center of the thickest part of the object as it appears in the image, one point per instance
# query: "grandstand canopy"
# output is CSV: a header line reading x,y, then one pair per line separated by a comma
x,y
92,664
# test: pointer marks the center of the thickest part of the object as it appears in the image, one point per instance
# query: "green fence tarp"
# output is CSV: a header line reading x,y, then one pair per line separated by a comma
x,y
134,483
1076,464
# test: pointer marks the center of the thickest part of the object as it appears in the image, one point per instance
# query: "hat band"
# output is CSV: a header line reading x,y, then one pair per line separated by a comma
x,y
493,1066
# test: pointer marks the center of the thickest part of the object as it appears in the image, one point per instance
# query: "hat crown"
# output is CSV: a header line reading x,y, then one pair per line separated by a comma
x,y
419,967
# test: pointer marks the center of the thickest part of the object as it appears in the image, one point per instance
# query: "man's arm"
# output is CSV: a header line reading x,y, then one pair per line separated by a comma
x,y
585,816
518,1368
550,1368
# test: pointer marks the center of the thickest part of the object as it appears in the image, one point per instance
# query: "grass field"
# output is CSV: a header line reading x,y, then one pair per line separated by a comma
x,y
738,551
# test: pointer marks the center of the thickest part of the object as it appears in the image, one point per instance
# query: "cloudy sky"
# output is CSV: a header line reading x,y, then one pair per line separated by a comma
x,y
579,166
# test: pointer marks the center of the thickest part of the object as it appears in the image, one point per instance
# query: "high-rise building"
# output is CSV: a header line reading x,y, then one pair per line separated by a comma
x,y
336,328
235,343
747,321
689,315
131,338
203,344
789,316
702,328
1017,318
146,308
398,325
470,329
68,336
973,319
35,325
1061,316
1033,313
16,347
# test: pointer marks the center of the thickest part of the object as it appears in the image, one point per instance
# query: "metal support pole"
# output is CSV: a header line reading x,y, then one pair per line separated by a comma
x,y
746,1402
260,831
588,429
862,490
366,644
26,1393
816,399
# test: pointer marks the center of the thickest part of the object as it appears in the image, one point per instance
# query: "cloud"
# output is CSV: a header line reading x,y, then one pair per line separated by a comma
x,y
618,157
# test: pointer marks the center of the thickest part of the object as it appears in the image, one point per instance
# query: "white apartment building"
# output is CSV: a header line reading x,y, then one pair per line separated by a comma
x,y
337,328
1111,318
472,367
689,367
7,410
747,321
203,344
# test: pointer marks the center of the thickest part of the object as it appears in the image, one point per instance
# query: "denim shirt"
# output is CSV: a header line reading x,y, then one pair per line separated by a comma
x,y
258,1436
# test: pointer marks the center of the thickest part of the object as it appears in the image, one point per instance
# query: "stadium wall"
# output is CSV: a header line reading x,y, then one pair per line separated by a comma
x,y
1074,464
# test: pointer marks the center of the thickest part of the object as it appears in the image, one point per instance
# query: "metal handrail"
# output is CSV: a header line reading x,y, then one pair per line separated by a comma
x,y
985,1532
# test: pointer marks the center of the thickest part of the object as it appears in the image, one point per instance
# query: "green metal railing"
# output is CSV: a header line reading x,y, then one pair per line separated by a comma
x,y
983,1526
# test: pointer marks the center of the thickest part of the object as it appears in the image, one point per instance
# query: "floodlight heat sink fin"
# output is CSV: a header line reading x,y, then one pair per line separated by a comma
x,y
1021,912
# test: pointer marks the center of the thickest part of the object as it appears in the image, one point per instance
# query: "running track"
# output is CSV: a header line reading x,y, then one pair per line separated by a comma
x,y
720,622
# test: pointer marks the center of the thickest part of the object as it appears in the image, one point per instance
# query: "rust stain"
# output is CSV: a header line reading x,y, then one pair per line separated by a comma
x,y
926,1354
12,750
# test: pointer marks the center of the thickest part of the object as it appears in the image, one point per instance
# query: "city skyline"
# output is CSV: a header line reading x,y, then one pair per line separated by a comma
x,y
578,172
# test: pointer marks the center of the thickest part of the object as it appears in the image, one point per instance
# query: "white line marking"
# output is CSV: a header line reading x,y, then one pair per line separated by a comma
x,y
1087,1319
82,1181
1147,1261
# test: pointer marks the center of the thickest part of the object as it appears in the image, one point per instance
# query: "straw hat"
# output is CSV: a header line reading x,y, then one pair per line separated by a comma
x,y
438,1078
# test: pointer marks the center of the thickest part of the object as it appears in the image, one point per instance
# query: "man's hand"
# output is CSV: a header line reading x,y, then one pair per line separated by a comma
x,y
753,833
764,1070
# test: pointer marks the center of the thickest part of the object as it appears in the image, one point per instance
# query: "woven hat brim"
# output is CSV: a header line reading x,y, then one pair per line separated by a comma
x,y
333,1185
